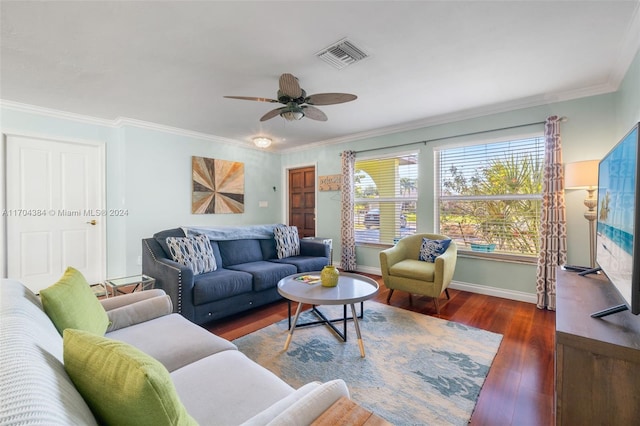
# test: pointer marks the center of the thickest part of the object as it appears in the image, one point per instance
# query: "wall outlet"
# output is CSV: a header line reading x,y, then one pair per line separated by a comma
x,y
263,204
139,260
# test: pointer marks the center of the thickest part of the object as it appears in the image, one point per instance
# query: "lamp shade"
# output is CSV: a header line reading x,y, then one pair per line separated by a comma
x,y
581,174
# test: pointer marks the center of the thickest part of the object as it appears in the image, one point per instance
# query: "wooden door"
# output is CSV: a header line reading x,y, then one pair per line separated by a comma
x,y
302,200
55,214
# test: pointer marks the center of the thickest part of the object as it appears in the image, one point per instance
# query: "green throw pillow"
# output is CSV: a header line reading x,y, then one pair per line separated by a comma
x,y
121,384
70,303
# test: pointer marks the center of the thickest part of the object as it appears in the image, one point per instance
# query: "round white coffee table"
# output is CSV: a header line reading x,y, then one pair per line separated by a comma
x,y
351,289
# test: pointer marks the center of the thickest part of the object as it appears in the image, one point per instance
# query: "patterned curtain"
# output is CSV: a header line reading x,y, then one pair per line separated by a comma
x,y
347,231
553,226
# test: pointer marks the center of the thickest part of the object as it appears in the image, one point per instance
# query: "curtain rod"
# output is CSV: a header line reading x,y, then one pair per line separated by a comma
x,y
561,119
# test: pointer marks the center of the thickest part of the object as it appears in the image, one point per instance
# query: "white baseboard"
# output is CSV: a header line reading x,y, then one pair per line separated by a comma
x,y
520,296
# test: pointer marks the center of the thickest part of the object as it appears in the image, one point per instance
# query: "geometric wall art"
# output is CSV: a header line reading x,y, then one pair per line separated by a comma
x,y
217,186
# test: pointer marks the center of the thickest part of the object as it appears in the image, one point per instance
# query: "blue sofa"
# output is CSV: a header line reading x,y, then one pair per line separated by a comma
x,y
247,274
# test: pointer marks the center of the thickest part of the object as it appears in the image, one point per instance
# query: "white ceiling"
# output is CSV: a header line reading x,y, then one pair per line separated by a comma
x,y
171,62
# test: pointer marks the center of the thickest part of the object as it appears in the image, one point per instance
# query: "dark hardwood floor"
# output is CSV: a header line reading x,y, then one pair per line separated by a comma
x,y
519,387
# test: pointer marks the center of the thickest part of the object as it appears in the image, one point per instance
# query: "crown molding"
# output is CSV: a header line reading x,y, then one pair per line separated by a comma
x,y
120,122
468,114
54,113
124,122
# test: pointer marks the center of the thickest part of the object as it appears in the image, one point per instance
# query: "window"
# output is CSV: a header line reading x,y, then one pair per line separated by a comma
x,y
386,195
489,196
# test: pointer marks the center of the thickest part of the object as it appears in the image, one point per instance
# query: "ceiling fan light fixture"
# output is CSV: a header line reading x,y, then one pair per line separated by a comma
x,y
292,115
262,142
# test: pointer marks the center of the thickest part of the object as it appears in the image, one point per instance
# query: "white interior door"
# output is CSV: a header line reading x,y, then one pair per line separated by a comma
x,y
55,210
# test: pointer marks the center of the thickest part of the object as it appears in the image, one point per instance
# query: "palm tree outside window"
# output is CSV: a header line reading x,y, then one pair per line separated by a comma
x,y
489,196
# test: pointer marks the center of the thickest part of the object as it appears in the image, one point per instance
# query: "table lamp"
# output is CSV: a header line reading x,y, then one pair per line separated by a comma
x,y
584,175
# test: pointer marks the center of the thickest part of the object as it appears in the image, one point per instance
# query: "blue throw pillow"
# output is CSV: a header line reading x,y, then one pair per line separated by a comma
x,y
431,249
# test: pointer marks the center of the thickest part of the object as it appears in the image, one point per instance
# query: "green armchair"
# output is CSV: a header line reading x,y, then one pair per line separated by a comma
x,y
402,269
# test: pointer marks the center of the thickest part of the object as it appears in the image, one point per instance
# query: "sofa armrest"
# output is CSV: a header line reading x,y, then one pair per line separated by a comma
x,y
314,248
129,298
445,265
303,406
388,258
140,311
175,279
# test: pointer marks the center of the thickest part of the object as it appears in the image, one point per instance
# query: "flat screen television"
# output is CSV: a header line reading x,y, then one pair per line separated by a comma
x,y
618,217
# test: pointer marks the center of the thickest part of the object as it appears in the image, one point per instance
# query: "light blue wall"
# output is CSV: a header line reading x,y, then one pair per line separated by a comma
x,y
148,173
158,194
628,99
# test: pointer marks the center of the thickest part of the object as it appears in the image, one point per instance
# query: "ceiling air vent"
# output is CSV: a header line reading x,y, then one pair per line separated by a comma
x,y
341,54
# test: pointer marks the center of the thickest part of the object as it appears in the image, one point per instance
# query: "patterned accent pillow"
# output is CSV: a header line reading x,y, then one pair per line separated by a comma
x,y
287,241
194,252
431,249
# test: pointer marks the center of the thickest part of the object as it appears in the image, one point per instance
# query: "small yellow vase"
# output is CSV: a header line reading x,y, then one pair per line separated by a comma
x,y
329,276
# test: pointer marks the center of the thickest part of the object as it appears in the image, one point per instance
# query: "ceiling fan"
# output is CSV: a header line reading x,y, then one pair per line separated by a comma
x,y
296,102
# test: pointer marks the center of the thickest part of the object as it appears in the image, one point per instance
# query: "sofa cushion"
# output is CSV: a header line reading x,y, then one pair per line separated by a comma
x,y
414,269
243,387
268,247
70,303
194,252
220,284
181,343
287,241
430,249
121,384
304,263
234,252
265,274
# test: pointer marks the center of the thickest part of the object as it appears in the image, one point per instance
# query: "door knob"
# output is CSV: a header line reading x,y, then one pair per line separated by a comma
x,y
93,222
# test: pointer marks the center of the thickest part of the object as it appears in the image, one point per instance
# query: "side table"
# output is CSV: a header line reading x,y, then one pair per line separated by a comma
x,y
99,289
347,412
140,282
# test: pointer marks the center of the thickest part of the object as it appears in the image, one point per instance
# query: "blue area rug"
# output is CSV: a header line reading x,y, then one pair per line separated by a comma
x,y
418,370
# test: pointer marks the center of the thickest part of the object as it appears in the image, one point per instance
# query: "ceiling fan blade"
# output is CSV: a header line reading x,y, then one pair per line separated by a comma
x,y
251,98
313,113
272,113
289,86
330,98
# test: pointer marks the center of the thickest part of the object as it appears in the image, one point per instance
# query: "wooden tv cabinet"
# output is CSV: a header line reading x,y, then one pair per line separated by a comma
x,y
597,360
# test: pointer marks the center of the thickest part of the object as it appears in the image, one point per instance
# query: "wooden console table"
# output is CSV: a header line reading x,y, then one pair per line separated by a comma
x,y
346,412
597,360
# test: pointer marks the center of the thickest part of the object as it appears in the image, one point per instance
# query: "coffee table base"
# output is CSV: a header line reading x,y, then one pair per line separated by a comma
x,y
325,320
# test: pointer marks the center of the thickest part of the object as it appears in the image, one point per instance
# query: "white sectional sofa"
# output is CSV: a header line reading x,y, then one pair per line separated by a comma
x,y
216,383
